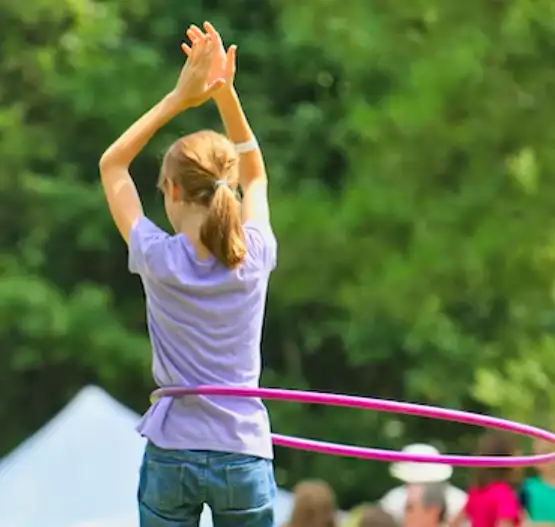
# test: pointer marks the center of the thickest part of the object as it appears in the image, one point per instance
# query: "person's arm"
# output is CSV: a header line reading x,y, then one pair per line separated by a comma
x,y
458,519
192,89
252,171
121,193
462,516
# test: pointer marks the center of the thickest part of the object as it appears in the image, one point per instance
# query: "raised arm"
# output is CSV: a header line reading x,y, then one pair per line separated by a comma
x,y
191,90
252,172
121,194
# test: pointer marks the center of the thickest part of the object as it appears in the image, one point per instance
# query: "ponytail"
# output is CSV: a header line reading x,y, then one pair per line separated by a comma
x,y
222,231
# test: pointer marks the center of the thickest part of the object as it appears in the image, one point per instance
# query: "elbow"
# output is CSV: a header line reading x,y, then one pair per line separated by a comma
x,y
252,169
108,162
255,178
105,162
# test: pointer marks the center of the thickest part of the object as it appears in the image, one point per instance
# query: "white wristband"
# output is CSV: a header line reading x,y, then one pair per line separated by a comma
x,y
247,146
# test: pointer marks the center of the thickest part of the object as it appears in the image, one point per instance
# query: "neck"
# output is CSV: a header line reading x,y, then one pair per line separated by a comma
x,y
190,226
191,222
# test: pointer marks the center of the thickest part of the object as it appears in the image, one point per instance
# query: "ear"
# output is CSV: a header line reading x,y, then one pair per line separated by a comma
x,y
174,192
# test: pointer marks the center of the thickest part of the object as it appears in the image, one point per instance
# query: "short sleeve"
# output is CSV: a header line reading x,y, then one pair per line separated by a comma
x,y
148,248
261,244
508,506
468,504
456,500
394,502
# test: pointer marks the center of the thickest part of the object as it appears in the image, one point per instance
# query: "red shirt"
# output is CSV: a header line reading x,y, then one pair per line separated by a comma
x,y
487,506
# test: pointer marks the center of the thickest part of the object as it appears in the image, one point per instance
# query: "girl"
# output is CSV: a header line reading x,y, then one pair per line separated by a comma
x,y
205,294
492,500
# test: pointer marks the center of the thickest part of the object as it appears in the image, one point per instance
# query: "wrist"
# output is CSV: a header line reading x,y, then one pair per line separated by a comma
x,y
225,95
173,104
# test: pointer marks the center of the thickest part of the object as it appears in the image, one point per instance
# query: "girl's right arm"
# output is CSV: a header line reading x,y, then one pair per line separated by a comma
x,y
255,209
252,172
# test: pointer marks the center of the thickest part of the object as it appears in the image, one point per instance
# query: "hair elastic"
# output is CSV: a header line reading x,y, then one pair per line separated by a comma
x,y
247,146
220,183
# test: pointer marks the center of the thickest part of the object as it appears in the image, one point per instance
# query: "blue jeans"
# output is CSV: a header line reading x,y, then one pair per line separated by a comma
x,y
175,484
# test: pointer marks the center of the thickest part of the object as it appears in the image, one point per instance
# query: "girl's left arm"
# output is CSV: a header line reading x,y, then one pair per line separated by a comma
x,y
121,193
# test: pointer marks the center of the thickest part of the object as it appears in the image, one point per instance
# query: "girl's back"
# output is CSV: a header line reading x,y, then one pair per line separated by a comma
x,y
493,504
205,323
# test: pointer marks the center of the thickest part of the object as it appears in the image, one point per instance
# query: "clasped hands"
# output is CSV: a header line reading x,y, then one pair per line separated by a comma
x,y
209,70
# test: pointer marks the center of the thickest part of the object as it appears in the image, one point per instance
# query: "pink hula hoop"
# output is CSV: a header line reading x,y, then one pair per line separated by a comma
x,y
380,405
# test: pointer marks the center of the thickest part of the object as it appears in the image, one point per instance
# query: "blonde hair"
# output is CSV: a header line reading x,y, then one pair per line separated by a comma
x,y
204,166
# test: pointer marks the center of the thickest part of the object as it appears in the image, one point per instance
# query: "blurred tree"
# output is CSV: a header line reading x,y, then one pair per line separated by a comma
x,y
437,250
410,153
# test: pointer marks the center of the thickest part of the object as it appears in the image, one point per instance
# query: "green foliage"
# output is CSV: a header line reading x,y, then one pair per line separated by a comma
x,y
410,152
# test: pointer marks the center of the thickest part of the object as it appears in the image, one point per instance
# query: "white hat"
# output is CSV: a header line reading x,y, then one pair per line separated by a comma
x,y
421,472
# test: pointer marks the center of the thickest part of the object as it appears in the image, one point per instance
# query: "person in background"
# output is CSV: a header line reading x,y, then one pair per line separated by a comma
x,y
314,506
368,515
538,492
425,506
371,516
492,500
418,473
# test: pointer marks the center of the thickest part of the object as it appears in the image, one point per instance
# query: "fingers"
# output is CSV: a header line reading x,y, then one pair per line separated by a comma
x,y
214,87
199,51
201,56
194,54
194,33
207,47
211,30
196,36
209,92
192,36
186,49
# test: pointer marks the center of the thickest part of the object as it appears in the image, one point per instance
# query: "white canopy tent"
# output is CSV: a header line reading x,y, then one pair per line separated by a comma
x,y
81,470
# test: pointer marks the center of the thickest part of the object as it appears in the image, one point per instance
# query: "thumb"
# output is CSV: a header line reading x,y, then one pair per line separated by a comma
x,y
231,58
214,87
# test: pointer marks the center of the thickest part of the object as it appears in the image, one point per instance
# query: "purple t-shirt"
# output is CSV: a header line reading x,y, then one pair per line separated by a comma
x,y
205,325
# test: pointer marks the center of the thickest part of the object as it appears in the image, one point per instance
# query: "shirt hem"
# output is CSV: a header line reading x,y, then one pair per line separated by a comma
x,y
212,447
